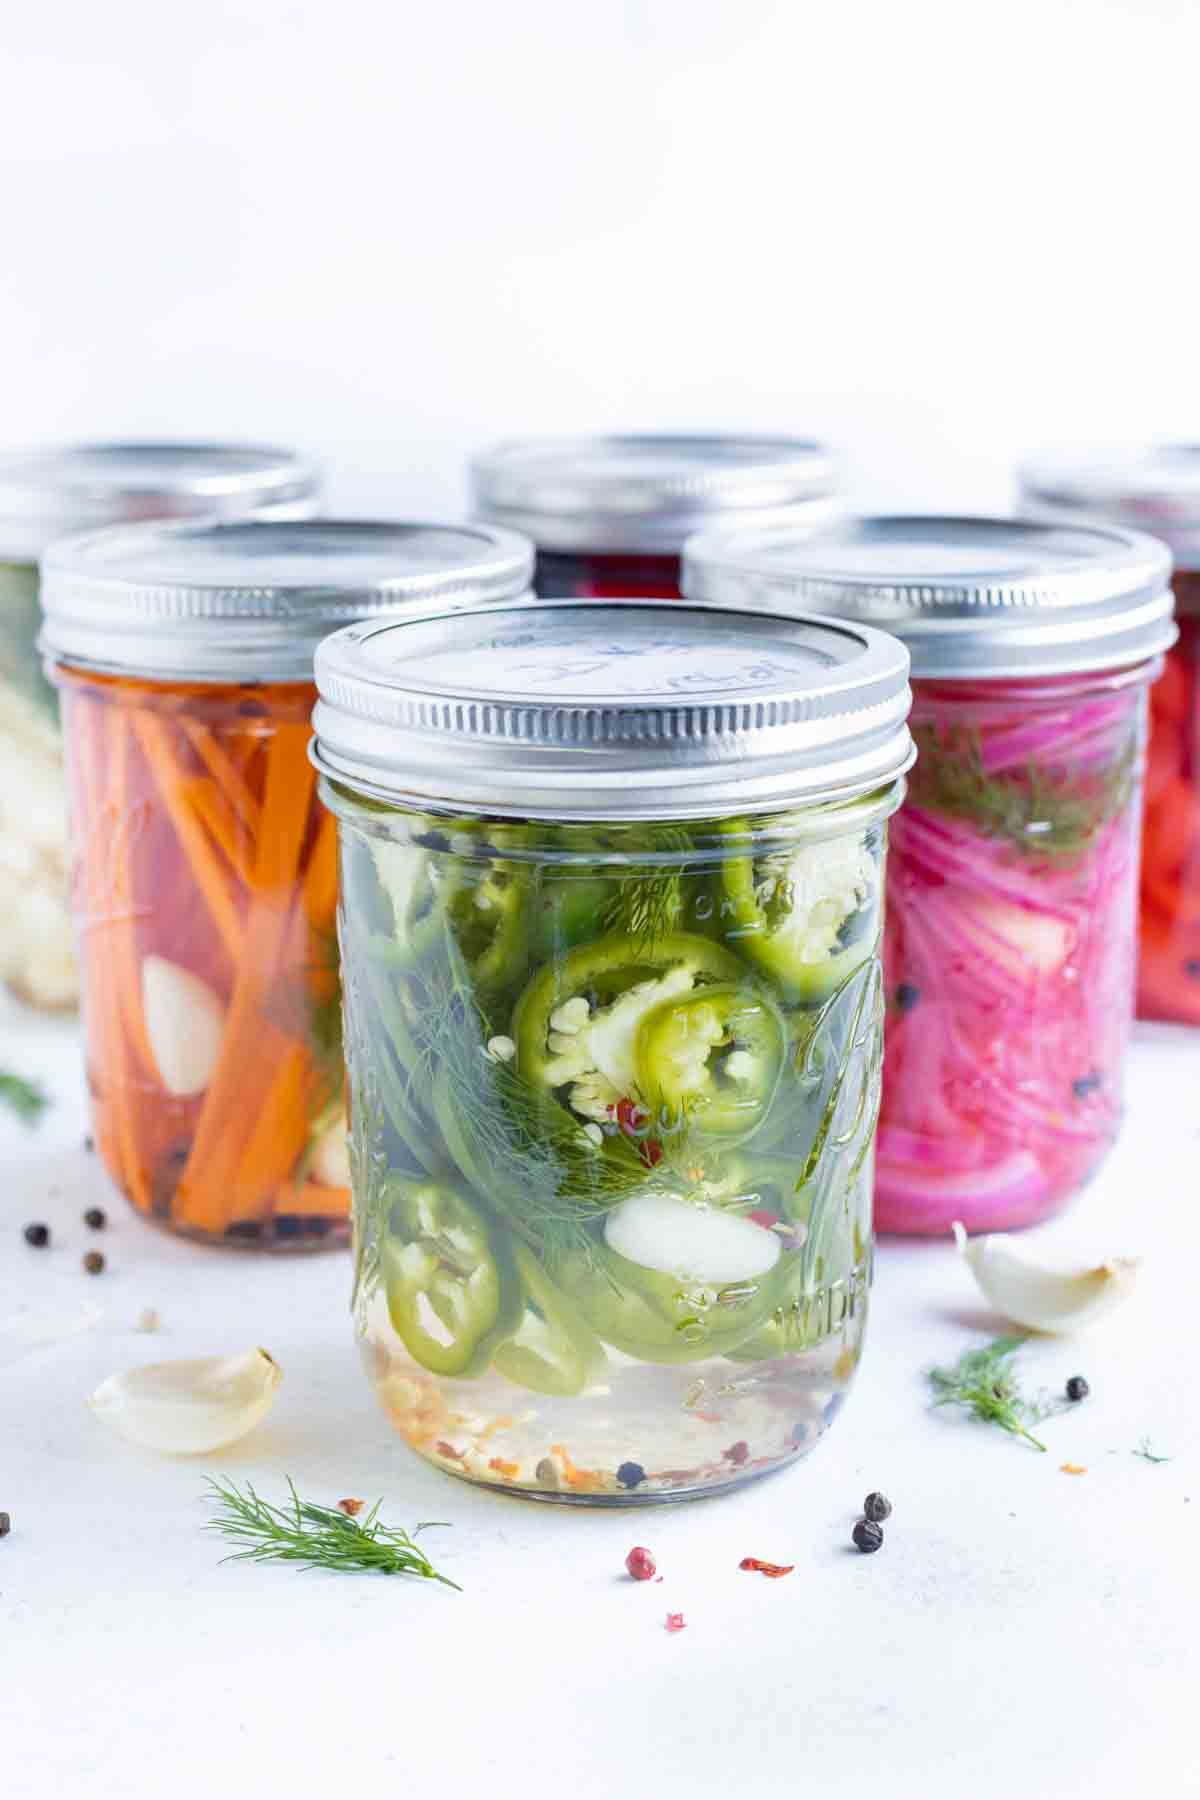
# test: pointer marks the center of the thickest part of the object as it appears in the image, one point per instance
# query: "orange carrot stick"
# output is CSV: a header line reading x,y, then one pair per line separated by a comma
x,y
251,1065
210,877
228,776
320,880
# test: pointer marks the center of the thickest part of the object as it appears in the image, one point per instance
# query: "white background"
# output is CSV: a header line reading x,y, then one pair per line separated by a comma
x,y
937,230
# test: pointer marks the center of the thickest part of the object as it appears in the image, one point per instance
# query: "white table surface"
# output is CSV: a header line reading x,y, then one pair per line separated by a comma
x,y
1023,1632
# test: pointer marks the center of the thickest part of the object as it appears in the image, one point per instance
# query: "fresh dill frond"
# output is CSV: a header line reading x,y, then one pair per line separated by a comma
x,y
1043,814
314,1537
26,1098
649,901
1147,1455
983,1381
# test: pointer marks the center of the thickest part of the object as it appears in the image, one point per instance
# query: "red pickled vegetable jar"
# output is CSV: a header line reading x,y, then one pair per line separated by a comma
x,y
204,866
609,515
1155,488
1010,936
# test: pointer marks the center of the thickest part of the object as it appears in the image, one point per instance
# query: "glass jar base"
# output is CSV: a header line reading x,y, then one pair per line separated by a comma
x,y
644,1434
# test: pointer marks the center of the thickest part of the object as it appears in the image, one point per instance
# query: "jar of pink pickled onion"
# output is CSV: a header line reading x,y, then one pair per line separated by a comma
x,y
609,515
1154,488
1010,934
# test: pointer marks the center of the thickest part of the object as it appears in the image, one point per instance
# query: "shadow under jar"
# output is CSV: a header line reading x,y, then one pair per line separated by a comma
x,y
1155,488
205,867
610,927
609,515
44,495
1012,885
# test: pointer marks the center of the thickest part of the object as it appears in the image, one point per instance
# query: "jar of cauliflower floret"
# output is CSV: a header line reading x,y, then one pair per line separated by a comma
x,y
611,899
45,494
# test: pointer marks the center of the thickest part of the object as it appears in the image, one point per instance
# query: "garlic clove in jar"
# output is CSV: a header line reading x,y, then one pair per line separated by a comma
x,y
184,1023
701,1243
330,1164
188,1407
1045,1292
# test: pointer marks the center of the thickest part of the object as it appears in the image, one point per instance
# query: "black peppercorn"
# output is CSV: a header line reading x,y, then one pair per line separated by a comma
x,y
1192,967
631,1474
5,1524
906,996
37,1235
89,1143
93,1262
1077,1388
96,1217
1085,1085
877,1508
868,1536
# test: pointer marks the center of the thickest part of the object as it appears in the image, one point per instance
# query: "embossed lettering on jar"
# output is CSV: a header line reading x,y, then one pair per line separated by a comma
x,y
614,1010
1012,884
206,869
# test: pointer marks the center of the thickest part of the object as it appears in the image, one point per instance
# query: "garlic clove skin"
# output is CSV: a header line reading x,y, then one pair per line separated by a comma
x,y
192,1406
1041,1292
184,1023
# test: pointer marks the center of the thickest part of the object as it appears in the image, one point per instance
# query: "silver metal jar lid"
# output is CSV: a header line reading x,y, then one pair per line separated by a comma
x,y
629,709
971,598
1145,487
647,494
46,493
251,602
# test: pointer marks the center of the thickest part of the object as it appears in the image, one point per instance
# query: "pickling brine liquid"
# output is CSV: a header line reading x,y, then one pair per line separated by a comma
x,y
639,1431
613,1097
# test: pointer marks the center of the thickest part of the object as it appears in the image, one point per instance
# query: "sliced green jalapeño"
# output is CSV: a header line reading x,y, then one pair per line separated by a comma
x,y
452,1291
712,1059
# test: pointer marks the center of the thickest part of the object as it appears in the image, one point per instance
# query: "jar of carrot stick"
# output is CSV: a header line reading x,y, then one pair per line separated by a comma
x,y
609,514
205,869
44,494
1157,489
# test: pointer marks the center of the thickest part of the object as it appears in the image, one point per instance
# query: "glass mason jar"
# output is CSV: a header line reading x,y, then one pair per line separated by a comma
x,y
205,868
610,926
1154,488
609,515
45,494
1012,884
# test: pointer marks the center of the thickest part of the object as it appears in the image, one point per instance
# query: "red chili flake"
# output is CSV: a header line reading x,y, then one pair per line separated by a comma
x,y
351,1508
445,1449
676,1622
762,1216
737,1453
630,1116
774,1570
651,1153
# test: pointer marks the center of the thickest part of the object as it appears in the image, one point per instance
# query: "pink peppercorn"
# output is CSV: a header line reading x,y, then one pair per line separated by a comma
x,y
675,1622
640,1564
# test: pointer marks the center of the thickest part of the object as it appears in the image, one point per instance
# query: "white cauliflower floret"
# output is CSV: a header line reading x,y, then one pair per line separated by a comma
x,y
821,886
594,1051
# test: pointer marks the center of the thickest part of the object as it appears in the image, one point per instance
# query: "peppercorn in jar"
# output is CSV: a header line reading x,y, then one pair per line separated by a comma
x,y
609,514
1012,883
205,868
44,494
1153,488
611,890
